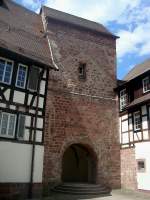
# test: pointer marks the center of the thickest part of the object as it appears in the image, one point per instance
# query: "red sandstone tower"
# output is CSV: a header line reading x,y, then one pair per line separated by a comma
x,y
81,139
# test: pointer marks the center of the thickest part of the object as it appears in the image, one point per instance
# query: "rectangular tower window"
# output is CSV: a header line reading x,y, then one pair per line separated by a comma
x,y
21,76
7,124
33,78
123,99
82,71
137,121
141,165
6,68
146,84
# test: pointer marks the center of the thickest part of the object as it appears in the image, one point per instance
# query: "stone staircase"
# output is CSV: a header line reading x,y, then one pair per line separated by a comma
x,y
82,189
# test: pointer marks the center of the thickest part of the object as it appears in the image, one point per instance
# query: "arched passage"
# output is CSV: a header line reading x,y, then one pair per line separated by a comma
x,y
78,165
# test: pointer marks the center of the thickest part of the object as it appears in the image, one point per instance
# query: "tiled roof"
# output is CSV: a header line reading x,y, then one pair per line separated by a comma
x,y
140,100
138,70
74,20
22,32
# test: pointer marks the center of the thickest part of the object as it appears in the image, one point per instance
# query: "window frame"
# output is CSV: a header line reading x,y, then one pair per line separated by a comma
x,y
142,170
135,128
37,81
6,135
123,100
20,64
20,138
146,78
7,60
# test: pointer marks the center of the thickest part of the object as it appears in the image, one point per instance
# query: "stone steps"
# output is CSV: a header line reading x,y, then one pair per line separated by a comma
x,y
81,189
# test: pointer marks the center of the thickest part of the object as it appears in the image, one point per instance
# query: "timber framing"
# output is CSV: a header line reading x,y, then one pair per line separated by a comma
x,y
27,106
137,101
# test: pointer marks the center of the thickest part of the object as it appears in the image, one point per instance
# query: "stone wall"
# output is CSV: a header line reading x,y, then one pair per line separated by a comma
x,y
82,111
128,169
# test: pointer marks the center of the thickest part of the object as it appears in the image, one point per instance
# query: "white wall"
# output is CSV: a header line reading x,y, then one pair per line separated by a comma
x,y
142,151
15,162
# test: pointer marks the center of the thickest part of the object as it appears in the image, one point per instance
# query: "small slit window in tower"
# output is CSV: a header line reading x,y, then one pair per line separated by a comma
x,y
82,71
141,165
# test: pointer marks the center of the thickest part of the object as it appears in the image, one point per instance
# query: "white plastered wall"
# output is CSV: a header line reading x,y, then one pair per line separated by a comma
x,y
19,97
124,129
142,151
15,162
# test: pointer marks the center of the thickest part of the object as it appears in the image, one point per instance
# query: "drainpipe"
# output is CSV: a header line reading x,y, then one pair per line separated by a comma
x,y
30,191
51,52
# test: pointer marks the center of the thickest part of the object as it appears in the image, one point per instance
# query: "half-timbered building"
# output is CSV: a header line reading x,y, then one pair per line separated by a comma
x,y
134,101
56,126
24,66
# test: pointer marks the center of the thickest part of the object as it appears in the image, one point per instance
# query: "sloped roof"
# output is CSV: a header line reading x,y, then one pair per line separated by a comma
x,y
140,100
74,20
138,70
22,31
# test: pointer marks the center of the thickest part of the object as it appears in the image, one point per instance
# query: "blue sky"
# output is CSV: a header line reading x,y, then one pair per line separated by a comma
x,y
128,19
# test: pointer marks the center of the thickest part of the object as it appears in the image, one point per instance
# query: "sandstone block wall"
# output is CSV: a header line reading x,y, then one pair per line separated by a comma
x,y
82,111
128,169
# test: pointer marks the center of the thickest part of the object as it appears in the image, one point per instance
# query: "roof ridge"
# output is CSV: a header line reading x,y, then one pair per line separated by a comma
x,y
74,16
79,20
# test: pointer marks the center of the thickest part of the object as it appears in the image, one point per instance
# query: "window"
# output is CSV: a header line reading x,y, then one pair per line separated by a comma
x,y
7,124
6,68
21,126
123,99
137,121
21,76
82,71
146,84
33,78
141,165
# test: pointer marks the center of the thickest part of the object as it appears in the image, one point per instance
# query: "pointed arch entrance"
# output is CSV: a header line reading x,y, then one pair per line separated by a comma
x,y
79,164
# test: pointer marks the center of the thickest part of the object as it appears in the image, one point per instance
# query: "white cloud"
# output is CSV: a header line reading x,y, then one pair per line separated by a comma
x,y
97,10
145,49
131,13
134,41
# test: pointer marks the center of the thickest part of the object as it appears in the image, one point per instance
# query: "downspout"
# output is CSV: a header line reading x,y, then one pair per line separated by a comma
x,y
30,192
51,52
49,42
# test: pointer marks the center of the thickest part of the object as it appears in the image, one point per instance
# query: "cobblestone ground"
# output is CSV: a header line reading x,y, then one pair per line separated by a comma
x,y
116,195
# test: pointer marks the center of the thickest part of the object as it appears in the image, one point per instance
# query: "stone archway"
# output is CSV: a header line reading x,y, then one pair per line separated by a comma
x,y
78,165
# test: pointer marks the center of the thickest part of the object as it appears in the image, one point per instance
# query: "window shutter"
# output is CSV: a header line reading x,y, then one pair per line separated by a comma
x,y
21,126
33,78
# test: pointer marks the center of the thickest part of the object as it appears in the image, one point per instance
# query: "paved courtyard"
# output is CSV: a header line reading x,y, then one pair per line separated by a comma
x,y
116,195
